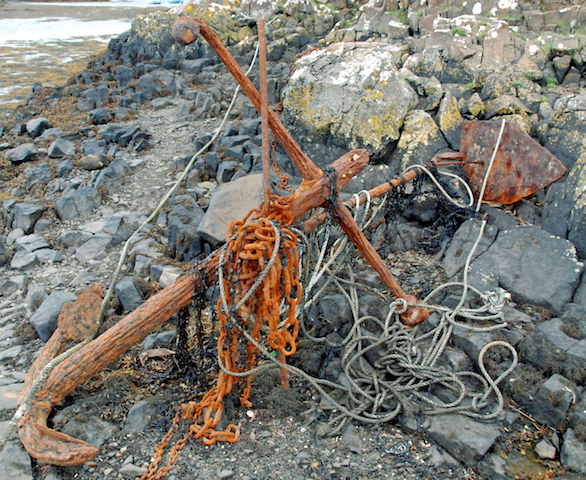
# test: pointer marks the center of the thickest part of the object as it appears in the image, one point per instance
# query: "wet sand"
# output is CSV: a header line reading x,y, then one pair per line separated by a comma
x,y
51,42
97,10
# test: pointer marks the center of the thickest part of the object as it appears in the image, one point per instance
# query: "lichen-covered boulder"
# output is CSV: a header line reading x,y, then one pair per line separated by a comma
x,y
500,47
420,140
155,28
349,95
450,121
513,83
564,135
565,210
453,50
430,90
377,19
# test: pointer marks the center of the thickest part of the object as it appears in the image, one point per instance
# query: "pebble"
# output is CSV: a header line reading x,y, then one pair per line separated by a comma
x,y
225,474
131,471
545,450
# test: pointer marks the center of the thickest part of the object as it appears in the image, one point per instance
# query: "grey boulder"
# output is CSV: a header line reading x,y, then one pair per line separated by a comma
x,y
573,452
230,201
127,294
464,438
26,215
61,148
37,126
22,153
347,96
535,266
44,321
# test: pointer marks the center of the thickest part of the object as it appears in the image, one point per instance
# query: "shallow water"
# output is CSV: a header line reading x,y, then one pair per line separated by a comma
x,y
50,42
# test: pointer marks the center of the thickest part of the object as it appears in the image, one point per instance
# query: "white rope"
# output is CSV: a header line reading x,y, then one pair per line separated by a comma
x,y
441,188
414,354
408,359
488,170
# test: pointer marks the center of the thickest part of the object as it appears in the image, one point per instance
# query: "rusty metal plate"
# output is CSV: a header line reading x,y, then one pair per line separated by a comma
x,y
521,166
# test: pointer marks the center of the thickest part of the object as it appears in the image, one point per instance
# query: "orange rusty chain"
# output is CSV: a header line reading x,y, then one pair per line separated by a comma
x,y
258,268
256,271
41,368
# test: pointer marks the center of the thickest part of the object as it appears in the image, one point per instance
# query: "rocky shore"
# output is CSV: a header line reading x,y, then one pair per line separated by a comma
x,y
82,165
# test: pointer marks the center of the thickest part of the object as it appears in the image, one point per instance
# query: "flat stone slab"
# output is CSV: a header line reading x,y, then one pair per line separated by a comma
x,y
230,201
15,462
462,243
464,438
10,353
45,318
535,266
573,452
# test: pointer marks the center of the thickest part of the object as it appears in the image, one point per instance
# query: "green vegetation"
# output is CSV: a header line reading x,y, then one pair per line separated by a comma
x,y
514,19
551,82
529,76
519,35
459,31
543,99
470,86
517,83
403,16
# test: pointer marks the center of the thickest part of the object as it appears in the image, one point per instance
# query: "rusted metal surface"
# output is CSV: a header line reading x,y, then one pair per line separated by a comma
x,y
308,170
264,111
54,447
446,158
521,167
413,315
76,321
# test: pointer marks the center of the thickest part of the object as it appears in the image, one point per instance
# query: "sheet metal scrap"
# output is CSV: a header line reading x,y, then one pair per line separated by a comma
x,y
521,166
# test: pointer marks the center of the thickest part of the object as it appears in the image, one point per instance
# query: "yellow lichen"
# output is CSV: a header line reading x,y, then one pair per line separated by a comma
x,y
381,127
450,118
301,99
377,95
417,130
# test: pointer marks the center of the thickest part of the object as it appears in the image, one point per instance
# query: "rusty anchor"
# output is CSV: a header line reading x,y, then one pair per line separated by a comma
x,y
55,448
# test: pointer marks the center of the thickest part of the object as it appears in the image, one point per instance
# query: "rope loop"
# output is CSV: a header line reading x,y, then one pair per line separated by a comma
x,y
396,303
